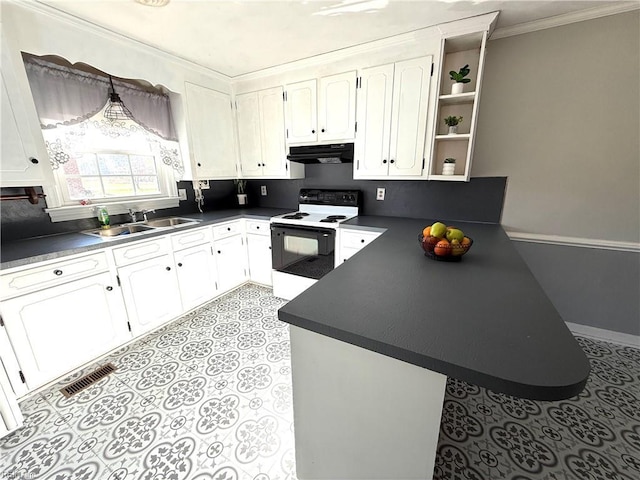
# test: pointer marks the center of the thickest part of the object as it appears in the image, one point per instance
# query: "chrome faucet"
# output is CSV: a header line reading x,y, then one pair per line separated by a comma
x,y
134,214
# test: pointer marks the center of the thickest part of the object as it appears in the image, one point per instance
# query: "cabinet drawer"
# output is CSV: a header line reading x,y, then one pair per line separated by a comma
x,y
258,227
225,230
353,239
135,252
52,274
191,238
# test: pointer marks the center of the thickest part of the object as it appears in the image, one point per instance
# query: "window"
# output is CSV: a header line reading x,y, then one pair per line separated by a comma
x,y
123,163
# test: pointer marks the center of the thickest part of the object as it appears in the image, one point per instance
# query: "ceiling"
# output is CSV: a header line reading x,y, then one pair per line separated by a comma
x,y
235,37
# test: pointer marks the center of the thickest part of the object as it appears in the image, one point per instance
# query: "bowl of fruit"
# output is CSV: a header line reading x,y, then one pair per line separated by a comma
x,y
445,243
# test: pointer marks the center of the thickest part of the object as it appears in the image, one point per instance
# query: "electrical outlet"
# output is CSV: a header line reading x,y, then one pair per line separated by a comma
x,y
182,193
202,184
263,190
380,194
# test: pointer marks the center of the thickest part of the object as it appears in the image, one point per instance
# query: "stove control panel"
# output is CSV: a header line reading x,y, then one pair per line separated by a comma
x,y
343,198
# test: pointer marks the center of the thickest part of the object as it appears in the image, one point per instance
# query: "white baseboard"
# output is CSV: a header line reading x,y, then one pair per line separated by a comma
x,y
625,339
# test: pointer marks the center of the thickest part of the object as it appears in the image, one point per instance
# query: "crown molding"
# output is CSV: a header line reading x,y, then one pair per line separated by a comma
x,y
565,19
95,29
575,241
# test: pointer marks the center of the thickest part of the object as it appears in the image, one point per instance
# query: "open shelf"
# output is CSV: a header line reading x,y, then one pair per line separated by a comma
x,y
458,99
454,137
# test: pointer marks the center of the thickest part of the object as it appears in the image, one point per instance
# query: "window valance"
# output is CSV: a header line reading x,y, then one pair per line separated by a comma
x,y
64,95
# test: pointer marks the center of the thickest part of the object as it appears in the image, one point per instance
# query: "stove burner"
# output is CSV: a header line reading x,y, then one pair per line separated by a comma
x,y
329,220
336,217
295,216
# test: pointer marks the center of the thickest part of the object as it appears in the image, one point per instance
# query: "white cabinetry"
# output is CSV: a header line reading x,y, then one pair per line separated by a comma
x,y
10,415
392,119
231,255
195,266
259,251
23,161
352,241
261,136
211,133
327,117
147,274
64,321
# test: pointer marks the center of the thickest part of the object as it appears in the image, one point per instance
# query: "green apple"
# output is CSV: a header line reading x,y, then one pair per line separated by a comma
x,y
438,229
455,234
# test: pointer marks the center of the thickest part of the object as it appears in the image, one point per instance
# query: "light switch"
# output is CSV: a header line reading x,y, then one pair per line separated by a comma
x,y
182,193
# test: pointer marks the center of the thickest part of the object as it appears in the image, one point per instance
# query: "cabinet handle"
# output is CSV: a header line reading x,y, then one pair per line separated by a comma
x,y
362,240
179,264
384,161
219,251
199,164
57,272
257,227
228,229
259,164
392,161
35,161
109,288
168,268
322,130
313,131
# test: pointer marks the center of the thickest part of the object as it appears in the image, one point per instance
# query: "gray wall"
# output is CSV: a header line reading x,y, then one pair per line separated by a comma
x,y
559,116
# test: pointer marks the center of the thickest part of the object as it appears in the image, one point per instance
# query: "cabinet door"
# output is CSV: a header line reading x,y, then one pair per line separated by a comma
x,y
302,112
151,293
274,151
58,329
409,116
259,250
211,132
374,121
231,260
248,116
196,275
337,107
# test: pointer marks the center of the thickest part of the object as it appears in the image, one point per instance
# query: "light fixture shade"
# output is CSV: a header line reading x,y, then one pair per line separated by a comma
x,y
153,3
115,109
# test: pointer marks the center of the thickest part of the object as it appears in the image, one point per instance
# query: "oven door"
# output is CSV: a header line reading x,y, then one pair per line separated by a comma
x,y
304,251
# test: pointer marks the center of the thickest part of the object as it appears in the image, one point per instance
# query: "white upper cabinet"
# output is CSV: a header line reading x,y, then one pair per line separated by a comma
x,y
325,117
23,159
211,133
393,103
337,107
261,135
302,112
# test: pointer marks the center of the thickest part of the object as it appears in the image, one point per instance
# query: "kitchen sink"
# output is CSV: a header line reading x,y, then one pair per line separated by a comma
x,y
170,222
118,230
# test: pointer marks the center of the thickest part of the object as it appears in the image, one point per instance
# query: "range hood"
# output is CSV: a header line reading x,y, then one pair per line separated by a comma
x,y
328,153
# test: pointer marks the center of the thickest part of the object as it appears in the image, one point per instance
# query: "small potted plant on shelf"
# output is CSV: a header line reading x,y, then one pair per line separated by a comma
x,y
240,187
459,79
449,166
452,122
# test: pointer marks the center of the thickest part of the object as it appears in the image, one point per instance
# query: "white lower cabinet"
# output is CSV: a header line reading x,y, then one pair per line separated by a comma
x,y
151,293
352,241
196,275
259,253
231,260
55,330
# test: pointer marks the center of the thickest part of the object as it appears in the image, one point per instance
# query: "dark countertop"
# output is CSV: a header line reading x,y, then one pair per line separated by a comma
x,y
39,249
484,320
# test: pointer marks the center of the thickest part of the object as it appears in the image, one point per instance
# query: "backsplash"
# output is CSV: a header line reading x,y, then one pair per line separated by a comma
x,y
479,200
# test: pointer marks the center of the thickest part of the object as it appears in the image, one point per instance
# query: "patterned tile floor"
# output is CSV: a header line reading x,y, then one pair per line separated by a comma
x,y
208,397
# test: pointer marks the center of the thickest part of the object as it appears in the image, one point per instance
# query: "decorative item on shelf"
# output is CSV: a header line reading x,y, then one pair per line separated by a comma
x,y
452,122
103,216
458,77
442,242
240,186
449,167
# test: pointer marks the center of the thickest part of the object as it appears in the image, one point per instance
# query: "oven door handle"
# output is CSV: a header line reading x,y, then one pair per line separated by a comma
x,y
326,232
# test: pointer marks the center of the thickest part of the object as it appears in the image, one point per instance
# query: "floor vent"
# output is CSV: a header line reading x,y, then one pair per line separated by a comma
x,y
88,380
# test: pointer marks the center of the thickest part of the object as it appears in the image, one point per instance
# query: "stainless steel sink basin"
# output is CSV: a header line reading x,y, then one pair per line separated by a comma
x,y
119,230
170,222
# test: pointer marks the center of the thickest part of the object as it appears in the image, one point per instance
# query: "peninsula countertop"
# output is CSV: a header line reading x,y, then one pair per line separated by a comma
x,y
484,320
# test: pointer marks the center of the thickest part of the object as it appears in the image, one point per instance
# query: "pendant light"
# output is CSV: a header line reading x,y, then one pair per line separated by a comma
x,y
115,109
